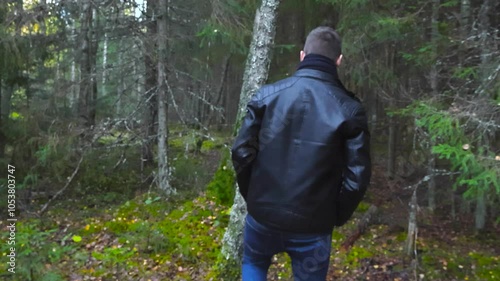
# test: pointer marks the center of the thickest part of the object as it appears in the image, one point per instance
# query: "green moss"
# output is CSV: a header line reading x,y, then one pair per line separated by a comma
x,y
225,270
363,207
337,237
178,143
222,186
356,254
486,266
194,230
440,262
208,145
401,236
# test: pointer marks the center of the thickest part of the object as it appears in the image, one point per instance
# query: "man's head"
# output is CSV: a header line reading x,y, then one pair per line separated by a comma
x,y
324,41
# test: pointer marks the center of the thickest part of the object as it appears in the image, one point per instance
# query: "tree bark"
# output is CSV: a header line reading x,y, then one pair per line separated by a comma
x,y
412,225
93,63
5,100
393,124
86,97
256,72
434,79
104,64
391,156
120,87
480,212
464,29
75,89
220,90
431,195
163,169
149,96
3,141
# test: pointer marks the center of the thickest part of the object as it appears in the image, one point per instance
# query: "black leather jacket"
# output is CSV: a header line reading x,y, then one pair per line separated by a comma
x,y
302,154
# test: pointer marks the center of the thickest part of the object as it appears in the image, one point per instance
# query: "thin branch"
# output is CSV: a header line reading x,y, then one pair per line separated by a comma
x,y
44,208
427,178
174,103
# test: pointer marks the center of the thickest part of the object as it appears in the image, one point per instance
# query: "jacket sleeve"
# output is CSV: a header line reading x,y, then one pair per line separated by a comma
x,y
246,145
357,171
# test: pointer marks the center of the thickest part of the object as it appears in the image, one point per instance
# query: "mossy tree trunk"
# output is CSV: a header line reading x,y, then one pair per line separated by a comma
x,y
256,72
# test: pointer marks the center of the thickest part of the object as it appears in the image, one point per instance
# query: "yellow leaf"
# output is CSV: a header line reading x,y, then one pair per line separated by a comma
x,y
15,115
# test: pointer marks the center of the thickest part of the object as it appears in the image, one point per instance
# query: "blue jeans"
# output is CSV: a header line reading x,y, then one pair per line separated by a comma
x,y
310,253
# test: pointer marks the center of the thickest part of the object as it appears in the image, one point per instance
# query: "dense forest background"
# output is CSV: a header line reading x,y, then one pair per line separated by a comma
x,y
117,116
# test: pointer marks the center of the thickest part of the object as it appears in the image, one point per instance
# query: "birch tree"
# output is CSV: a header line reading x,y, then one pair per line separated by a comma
x,y
256,72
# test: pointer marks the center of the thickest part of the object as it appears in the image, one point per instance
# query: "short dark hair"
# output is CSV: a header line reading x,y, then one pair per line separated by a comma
x,y
324,40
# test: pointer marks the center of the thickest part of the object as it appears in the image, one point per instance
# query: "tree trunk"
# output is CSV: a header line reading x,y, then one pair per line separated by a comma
x,y
104,64
486,48
41,17
3,141
453,204
480,212
391,156
163,169
412,225
217,103
484,24
86,83
149,96
256,71
120,88
6,98
93,66
431,195
75,89
464,29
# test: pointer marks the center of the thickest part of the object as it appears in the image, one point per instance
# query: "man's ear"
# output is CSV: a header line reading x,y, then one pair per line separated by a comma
x,y
339,60
302,55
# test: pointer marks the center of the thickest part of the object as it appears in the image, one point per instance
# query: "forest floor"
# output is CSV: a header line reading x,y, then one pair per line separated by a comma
x,y
146,237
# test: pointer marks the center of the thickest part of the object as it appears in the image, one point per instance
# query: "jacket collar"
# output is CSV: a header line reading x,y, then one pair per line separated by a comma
x,y
319,63
317,74
325,76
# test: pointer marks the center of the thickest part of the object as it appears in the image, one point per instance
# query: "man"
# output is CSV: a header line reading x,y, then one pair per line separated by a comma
x,y
302,161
